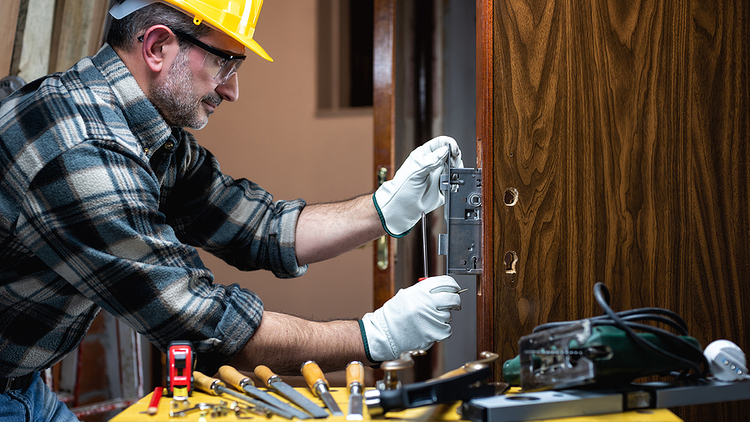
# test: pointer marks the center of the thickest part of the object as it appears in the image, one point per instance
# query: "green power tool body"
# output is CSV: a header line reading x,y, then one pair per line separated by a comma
x,y
580,353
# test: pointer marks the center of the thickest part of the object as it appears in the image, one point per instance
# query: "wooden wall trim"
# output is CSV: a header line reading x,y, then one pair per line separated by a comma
x,y
9,9
78,31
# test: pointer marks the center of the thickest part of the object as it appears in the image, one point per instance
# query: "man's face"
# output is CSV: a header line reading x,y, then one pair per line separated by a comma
x,y
189,94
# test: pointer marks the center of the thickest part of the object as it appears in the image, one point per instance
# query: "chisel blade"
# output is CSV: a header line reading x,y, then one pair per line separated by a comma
x,y
330,403
275,383
355,381
233,377
257,403
262,395
319,386
297,398
216,387
355,408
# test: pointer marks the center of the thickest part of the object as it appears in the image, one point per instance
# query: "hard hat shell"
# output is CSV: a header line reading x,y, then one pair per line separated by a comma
x,y
236,18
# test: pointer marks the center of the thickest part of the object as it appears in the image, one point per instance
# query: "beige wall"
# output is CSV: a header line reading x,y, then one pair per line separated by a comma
x,y
271,136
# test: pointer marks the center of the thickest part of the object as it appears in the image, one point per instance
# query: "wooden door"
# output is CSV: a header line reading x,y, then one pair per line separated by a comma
x,y
623,128
384,121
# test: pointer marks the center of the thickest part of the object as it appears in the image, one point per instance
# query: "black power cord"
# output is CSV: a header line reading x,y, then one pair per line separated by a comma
x,y
689,357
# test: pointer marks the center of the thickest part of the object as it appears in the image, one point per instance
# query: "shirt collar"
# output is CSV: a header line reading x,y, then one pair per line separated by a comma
x,y
147,125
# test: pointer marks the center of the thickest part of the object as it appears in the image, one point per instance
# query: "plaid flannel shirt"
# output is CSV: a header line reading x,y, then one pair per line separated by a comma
x,y
101,206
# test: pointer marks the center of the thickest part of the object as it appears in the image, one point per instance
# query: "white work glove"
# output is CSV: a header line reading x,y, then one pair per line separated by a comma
x,y
415,188
415,318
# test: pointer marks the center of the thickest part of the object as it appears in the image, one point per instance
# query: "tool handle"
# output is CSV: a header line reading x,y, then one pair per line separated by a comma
x,y
454,373
486,359
233,377
264,374
313,375
463,386
206,383
355,373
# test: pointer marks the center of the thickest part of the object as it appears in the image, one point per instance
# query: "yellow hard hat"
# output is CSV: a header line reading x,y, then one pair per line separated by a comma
x,y
236,18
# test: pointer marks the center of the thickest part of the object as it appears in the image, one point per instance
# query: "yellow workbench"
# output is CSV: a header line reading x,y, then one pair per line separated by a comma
x,y
137,412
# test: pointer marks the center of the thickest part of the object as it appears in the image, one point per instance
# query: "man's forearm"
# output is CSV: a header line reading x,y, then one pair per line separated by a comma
x,y
284,342
328,230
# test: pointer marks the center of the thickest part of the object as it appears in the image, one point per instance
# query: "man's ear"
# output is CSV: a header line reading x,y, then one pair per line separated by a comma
x,y
159,47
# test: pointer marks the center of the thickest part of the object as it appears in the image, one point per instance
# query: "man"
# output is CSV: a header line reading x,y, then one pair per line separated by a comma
x,y
104,198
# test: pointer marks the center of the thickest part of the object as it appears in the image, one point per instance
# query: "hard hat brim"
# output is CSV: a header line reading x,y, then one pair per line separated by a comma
x,y
255,47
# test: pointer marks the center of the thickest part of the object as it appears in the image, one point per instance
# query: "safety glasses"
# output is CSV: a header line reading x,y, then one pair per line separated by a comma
x,y
218,63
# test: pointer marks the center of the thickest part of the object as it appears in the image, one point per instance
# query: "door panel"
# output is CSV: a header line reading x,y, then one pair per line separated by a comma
x,y
623,126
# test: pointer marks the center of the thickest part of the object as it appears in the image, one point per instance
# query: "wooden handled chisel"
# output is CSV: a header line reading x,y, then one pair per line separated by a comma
x,y
216,387
234,378
275,383
355,383
319,386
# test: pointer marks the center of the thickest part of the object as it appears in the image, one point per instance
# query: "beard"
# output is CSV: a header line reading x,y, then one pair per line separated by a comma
x,y
175,97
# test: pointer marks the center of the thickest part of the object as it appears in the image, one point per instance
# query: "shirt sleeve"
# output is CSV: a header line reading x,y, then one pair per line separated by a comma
x,y
236,220
93,216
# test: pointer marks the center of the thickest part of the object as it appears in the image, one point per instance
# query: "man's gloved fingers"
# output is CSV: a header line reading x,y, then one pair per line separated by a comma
x,y
444,331
440,155
456,161
444,289
438,331
447,301
440,283
451,307
455,158
455,151
447,319
430,160
440,141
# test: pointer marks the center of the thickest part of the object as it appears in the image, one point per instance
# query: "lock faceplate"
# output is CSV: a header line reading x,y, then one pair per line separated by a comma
x,y
462,244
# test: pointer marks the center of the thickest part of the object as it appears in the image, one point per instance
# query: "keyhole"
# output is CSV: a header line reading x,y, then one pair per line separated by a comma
x,y
510,197
511,260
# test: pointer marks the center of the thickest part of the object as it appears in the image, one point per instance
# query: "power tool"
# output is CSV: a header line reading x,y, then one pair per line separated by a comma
x,y
605,350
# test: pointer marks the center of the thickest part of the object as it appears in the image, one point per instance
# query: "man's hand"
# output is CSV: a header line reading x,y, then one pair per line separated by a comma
x,y
415,188
415,318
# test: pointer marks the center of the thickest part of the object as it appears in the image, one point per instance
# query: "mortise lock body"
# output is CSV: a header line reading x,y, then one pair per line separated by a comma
x,y
462,243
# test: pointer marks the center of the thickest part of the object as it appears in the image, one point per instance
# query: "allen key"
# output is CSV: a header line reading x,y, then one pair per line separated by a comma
x,y
424,246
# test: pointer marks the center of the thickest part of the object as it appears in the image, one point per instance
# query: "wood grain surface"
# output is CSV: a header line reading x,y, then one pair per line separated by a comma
x,y
623,126
384,109
8,9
